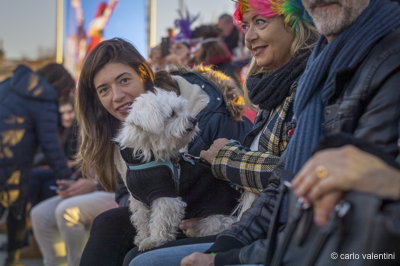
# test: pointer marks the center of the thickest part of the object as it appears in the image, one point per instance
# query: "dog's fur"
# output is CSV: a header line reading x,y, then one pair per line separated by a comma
x,y
158,127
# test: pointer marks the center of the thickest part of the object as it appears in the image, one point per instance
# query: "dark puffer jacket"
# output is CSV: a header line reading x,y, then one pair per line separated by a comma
x,y
28,118
214,120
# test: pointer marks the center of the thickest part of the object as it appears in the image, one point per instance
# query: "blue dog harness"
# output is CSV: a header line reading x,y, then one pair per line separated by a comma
x,y
174,167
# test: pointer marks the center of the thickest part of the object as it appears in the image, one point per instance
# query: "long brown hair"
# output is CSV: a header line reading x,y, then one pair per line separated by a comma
x,y
98,127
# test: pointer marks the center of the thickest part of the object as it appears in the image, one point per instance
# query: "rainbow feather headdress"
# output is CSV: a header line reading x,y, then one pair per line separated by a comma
x,y
292,10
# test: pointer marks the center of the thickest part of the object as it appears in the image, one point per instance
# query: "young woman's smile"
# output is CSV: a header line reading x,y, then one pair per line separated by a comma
x,y
117,85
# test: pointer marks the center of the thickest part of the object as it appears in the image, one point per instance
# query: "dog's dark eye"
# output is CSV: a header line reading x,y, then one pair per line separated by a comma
x,y
172,114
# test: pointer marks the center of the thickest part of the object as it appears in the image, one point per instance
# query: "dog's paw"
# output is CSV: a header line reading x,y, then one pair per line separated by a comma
x,y
149,243
139,239
211,225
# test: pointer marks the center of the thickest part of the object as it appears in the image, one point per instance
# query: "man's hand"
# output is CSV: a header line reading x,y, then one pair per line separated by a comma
x,y
210,154
346,168
324,206
198,259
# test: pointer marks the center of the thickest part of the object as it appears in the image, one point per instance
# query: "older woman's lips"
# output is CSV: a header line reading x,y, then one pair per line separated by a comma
x,y
259,50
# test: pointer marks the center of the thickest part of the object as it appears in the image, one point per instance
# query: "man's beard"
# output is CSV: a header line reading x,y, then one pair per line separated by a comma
x,y
334,19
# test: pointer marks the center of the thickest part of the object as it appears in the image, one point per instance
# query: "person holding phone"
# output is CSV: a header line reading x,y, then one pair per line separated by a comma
x,y
60,223
61,187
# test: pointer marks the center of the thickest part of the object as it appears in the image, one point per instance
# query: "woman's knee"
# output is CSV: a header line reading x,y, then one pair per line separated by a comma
x,y
152,259
67,213
43,213
38,214
113,221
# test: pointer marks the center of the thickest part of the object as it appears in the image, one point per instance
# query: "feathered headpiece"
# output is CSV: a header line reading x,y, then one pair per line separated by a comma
x,y
183,24
292,10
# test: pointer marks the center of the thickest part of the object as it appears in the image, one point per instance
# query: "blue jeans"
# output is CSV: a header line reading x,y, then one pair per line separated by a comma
x,y
168,256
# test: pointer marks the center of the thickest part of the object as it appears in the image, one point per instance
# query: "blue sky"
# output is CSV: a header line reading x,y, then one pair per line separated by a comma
x,y
27,26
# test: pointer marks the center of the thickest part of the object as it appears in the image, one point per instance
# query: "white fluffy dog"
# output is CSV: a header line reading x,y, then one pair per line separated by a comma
x,y
158,126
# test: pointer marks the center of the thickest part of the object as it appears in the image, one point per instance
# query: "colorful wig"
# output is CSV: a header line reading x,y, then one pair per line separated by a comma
x,y
292,10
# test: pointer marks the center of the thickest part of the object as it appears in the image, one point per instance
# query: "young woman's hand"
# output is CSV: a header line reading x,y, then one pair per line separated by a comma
x,y
210,154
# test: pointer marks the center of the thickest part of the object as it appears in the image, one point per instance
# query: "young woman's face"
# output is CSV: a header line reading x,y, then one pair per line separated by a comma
x,y
268,40
67,115
117,85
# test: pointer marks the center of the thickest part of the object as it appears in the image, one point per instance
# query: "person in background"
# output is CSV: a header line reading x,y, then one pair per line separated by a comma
x,y
177,49
156,60
229,32
28,119
179,53
42,177
210,50
61,223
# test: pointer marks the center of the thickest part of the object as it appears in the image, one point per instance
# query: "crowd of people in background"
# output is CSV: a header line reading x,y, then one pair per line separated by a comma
x,y
297,104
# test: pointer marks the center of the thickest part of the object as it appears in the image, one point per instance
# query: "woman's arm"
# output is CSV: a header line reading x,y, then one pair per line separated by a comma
x,y
239,165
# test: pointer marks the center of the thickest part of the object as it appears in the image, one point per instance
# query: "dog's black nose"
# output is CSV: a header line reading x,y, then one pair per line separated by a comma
x,y
193,121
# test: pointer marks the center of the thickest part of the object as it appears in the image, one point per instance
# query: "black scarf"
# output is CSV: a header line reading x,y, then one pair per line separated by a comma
x,y
268,90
